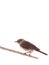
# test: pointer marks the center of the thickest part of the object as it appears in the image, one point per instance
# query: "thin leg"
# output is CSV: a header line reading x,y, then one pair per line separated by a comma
x,y
30,51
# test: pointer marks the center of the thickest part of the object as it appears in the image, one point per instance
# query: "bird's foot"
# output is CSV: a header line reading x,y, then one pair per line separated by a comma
x,y
25,53
29,54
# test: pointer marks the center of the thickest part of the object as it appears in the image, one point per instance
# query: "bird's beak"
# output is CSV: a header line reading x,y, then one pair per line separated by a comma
x,y
15,41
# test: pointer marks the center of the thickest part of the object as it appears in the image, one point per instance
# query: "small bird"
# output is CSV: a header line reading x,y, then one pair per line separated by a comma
x,y
28,46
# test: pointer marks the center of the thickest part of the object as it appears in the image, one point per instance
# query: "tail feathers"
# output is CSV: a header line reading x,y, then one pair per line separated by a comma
x,y
43,53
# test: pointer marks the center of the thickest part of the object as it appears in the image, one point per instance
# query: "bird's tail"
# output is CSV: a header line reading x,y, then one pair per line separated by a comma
x,y
43,52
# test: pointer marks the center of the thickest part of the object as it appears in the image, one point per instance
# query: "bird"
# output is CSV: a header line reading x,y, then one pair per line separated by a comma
x,y
28,46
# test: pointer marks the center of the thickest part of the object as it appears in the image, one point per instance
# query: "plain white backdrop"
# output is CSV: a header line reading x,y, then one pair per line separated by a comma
x,y
27,19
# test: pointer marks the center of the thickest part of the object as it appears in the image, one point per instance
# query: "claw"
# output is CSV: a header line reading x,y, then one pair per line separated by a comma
x,y
29,54
24,53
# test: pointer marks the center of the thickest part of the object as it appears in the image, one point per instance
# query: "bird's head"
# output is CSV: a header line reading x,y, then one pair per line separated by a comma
x,y
19,40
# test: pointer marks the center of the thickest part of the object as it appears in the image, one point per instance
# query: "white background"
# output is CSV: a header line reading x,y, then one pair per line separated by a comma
x,y
27,19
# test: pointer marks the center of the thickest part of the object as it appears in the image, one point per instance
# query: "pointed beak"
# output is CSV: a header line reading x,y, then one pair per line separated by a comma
x,y
15,41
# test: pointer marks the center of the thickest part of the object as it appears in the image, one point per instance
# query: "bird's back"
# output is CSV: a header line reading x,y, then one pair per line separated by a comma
x,y
27,45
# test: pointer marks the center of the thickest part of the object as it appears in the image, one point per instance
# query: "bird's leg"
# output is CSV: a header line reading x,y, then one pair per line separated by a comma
x,y
30,51
24,53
